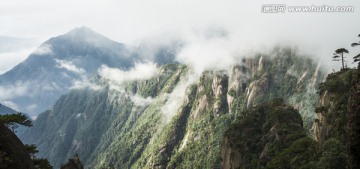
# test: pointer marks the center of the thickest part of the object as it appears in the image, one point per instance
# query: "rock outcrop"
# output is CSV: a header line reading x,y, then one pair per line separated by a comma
x,y
73,163
321,127
353,123
333,106
257,88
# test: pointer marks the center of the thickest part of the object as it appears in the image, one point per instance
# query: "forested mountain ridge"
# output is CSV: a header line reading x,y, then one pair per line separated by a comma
x,y
174,119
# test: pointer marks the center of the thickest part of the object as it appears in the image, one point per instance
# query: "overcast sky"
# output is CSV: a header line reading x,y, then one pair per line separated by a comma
x,y
129,21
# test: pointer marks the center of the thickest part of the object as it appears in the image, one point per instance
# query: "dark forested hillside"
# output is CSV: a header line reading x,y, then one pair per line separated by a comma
x,y
174,119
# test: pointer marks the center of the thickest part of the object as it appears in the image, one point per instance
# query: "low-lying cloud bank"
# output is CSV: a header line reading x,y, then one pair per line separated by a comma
x,y
138,72
115,77
207,50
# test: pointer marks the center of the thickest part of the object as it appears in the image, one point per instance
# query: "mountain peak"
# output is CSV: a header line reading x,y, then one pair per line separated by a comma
x,y
84,35
82,32
60,62
82,29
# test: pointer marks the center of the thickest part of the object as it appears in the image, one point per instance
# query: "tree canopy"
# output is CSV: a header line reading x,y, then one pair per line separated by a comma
x,y
13,120
337,55
357,57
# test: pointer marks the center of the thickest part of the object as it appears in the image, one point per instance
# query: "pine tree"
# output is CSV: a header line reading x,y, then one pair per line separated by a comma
x,y
357,57
337,55
12,121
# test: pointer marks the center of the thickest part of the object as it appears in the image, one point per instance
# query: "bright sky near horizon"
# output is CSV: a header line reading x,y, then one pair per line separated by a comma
x,y
131,21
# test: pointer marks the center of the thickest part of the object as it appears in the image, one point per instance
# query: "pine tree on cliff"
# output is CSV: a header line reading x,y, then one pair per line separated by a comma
x,y
13,153
337,55
12,121
357,57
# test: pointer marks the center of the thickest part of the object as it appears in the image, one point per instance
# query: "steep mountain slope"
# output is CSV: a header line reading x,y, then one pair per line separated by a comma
x,y
337,118
35,84
99,112
270,135
353,120
332,110
331,136
6,110
174,119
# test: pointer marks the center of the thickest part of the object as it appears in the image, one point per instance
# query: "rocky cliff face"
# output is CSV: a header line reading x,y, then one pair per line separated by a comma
x,y
332,110
253,141
353,123
13,153
171,120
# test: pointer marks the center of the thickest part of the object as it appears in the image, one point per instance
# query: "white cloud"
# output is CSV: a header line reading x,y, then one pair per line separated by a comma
x,y
202,53
10,104
141,101
10,59
44,49
138,72
15,50
14,90
31,108
136,19
244,28
68,65
84,83
13,94
175,99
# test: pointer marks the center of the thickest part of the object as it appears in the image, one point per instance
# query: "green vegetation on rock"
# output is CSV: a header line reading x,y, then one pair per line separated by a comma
x,y
153,124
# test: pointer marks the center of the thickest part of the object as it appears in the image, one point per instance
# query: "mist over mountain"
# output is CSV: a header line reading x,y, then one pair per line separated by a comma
x,y
180,84
172,117
14,50
200,101
60,64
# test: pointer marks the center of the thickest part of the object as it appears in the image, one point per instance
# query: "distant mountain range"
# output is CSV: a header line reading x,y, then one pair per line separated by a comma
x,y
63,62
